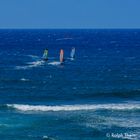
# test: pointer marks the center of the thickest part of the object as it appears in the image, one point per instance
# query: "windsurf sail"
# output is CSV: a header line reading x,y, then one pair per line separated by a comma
x,y
61,56
45,55
72,54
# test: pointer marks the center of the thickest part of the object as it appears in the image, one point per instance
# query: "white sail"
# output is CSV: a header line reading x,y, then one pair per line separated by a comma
x,y
72,54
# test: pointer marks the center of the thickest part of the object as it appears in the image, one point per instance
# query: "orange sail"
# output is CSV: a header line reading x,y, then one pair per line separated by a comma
x,y
61,56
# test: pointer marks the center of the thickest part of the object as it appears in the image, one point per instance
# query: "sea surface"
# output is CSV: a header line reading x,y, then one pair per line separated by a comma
x,y
95,96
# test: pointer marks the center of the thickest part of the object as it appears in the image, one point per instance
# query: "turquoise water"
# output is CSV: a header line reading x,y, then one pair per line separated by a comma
x,y
94,96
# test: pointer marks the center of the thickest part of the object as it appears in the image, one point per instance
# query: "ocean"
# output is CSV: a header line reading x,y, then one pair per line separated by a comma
x,y
96,96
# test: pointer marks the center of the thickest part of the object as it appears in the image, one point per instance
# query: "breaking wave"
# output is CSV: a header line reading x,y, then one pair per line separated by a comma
x,y
46,108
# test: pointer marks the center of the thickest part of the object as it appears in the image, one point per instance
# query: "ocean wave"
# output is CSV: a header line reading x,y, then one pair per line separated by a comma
x,y
4,125
69,58
46,108
36,63
48,138
120,94
66,38
33,56
23,79
21,67
31,65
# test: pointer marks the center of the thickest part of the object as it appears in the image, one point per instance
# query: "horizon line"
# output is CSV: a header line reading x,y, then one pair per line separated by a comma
x,y
69,28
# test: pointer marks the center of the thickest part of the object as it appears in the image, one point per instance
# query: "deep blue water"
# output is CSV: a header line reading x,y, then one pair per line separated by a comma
x,y
95,96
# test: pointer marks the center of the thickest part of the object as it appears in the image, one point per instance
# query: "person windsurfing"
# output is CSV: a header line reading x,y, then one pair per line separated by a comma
x,y
72,54
45,55
61,56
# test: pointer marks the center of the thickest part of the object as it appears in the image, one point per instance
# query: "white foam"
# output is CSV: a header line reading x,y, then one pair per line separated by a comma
x,y
33,56
70,58
54,63
36,63
48,138
23,79
31,64
75,107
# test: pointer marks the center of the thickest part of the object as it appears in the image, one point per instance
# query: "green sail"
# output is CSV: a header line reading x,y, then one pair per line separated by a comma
x,y
45,55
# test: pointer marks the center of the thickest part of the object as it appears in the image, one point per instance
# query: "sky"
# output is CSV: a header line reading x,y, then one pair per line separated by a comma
x,y
69,14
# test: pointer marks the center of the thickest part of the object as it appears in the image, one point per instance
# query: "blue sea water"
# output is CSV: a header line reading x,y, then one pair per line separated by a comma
x,y
95,96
